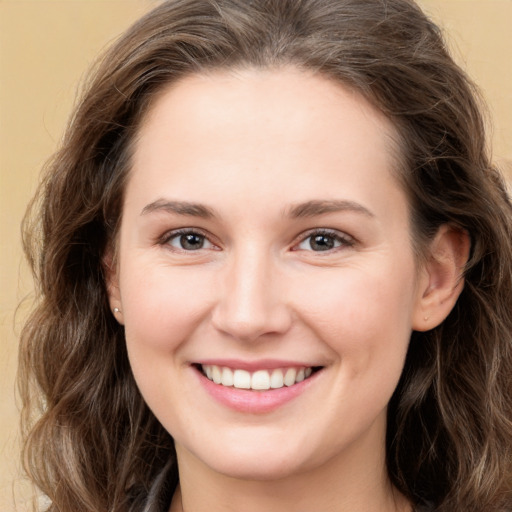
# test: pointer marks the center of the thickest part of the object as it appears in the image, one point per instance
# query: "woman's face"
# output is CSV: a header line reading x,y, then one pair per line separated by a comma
x,y
265,244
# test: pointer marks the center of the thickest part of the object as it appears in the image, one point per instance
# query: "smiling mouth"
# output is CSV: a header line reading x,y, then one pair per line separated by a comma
x,y
260,380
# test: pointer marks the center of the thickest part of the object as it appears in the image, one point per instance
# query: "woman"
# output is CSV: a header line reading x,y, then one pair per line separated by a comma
x,y
275,272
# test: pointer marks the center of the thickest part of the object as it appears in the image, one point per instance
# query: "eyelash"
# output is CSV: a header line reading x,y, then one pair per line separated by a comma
x,y
343,240
340,240
178,233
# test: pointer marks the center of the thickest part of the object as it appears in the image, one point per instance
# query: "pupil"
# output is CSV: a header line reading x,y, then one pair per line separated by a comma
x,y
322,243
191,241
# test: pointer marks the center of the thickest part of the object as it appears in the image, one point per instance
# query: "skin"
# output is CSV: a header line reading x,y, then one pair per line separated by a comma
x,y
249,146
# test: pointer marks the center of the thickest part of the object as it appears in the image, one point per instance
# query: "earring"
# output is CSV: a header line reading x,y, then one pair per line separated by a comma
x,y
424,318
116,310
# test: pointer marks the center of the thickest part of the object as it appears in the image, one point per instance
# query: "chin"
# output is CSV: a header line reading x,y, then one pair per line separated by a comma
x,y
262,461
259,469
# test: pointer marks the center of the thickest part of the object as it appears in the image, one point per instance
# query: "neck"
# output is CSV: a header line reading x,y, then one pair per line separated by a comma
x,y
337,486
262,497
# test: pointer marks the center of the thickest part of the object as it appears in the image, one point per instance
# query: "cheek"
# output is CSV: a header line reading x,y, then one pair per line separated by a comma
x,y
163,308
162,305
363,313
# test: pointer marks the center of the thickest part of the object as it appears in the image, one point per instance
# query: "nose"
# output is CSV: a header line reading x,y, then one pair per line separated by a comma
x,y
251,299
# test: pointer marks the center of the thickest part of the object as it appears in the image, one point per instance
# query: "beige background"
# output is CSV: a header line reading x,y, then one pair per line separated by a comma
x,y
45,48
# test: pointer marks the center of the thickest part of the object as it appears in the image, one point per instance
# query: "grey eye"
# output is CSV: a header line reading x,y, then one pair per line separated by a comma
x,y
189,241
322,241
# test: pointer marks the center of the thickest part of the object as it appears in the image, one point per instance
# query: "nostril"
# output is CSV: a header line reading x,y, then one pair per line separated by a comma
x,y
250,302
248,325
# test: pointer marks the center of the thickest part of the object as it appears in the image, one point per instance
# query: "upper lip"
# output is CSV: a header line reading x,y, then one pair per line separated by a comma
x,y
260,364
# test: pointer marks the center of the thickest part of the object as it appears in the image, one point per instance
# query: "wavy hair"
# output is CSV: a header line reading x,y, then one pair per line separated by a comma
x,y
91,443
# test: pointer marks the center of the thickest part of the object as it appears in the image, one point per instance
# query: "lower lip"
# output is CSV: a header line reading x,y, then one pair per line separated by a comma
x,y
255,402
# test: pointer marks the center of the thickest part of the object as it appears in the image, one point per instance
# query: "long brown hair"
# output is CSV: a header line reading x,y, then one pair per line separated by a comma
x,y
91,442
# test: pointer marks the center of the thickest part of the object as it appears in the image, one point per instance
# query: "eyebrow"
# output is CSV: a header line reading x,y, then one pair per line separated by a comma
x,y
300,210
321,207
179,208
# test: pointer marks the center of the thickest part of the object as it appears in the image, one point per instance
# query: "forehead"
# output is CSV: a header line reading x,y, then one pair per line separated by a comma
x,y
286,96
252,127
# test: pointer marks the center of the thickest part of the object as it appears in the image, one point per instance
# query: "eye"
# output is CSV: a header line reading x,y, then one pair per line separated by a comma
x,y
188,241
322,241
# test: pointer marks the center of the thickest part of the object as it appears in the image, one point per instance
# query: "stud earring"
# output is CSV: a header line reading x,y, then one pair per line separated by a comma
x,y
116,310
424,318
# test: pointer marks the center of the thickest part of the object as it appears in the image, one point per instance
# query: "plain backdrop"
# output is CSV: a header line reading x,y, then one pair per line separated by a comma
x,y
46,47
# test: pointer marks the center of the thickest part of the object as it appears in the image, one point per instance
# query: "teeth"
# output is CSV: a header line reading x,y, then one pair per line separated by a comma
x,y
277,379
227,377
289,377
216,375
259,380
242,379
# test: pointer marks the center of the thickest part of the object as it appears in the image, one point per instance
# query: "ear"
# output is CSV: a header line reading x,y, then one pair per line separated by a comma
x,y
441,280
111,274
